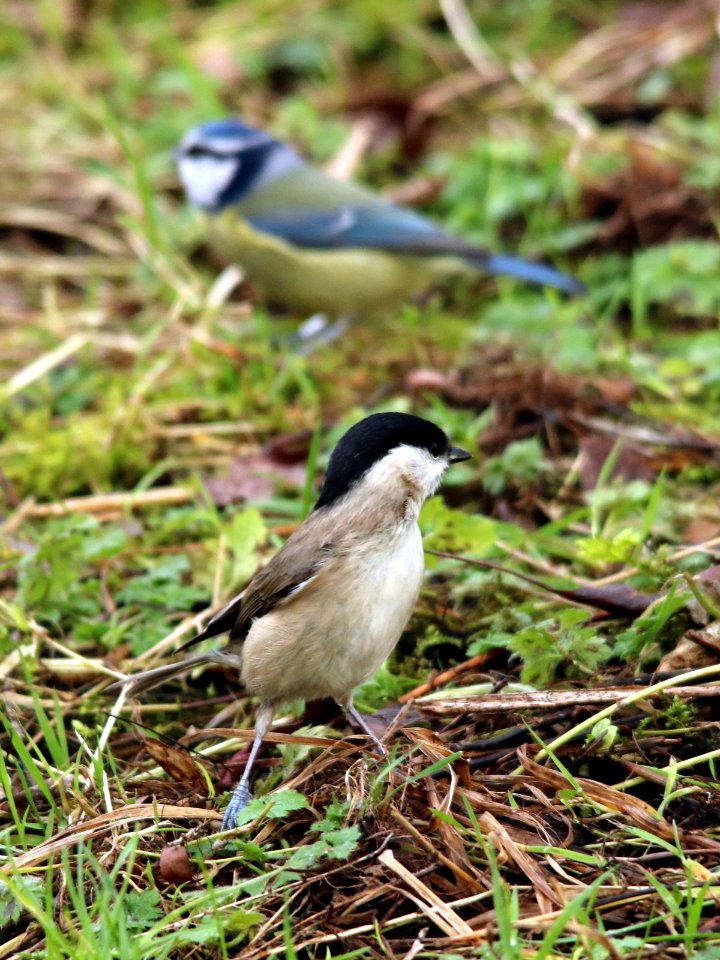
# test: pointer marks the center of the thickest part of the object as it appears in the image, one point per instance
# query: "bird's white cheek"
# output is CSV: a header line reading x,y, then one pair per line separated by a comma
x,y
431,474
205,178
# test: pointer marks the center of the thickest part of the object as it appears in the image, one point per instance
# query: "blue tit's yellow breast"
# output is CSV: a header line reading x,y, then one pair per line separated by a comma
x,y
336,282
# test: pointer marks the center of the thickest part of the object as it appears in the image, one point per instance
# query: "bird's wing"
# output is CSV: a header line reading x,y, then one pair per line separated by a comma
x,y
392,228
381,226
289,572
308,208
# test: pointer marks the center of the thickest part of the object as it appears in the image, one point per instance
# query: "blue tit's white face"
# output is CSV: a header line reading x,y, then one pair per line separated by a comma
x,y
208,163
225,154
205,178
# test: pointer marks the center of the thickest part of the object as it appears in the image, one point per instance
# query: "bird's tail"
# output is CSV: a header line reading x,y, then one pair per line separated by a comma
x,y
538,273
139,682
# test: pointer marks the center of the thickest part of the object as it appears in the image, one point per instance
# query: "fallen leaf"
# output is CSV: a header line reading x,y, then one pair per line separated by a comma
x,y
632,462
689,653
178,764
256,476
700,528
647,203
619,600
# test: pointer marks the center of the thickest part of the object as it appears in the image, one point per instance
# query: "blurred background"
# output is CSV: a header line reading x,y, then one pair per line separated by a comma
x,y
160,433
583,134
144,376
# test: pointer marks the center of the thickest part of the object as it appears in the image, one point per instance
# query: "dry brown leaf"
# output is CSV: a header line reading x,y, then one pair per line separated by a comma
x,y
687,654
102,824
701,527
179,765
641,814
256,476
546,896
646,203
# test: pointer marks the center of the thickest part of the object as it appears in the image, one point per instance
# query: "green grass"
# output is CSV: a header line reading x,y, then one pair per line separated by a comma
x,y
131,378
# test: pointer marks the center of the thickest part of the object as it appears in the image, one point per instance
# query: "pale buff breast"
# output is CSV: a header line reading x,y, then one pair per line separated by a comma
x,y
310,648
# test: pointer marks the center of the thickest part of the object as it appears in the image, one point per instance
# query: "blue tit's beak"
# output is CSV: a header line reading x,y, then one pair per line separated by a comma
x,y
457,455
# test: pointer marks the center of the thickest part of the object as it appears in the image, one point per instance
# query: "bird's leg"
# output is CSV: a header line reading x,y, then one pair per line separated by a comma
x,y
242,796
313,326
317,331
357,717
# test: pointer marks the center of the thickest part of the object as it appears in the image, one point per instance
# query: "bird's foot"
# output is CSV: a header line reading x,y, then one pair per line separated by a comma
x,y
238,801
317,331
355,715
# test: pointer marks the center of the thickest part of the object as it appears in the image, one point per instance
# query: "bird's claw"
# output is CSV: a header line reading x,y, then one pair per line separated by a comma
x,y
238,801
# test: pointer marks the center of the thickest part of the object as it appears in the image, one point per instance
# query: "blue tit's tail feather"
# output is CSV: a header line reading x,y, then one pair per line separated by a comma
x,y
531,272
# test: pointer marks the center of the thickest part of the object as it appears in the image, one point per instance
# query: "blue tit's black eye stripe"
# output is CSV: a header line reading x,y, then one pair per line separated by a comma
x,y
202,150
251,163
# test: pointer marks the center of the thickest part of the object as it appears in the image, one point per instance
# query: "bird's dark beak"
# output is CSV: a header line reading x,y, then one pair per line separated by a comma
x,y
457,455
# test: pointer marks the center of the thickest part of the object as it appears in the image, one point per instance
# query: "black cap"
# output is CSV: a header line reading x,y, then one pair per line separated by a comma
x,y
370,439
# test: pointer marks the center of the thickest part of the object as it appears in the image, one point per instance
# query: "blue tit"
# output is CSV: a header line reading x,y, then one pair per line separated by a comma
x,y
315,244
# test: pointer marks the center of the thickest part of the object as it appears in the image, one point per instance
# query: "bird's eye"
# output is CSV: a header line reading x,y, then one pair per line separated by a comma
x,y
194,152
436,450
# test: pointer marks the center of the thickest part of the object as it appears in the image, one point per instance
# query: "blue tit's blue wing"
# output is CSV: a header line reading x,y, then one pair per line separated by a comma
x,y
384,226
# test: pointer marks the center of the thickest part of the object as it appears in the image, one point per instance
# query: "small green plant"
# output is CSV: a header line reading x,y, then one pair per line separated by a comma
x,y
559,645
520,464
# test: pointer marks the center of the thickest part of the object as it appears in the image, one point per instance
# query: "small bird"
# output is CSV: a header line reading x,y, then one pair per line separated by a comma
x,y
330,606
318,245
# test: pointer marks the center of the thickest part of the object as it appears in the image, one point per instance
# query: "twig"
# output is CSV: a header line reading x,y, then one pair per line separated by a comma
x,y
552,699
469,39
65,265
344,164
391,923
489,565
195,622
107,502
44,364
100,825
704,546
447,676
525,74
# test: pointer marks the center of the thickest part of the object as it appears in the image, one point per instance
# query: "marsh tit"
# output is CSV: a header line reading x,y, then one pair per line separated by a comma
x,y
329,608
315,244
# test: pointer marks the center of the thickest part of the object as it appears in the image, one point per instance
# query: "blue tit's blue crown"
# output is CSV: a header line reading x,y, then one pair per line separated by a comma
x,y
225,128
235,132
